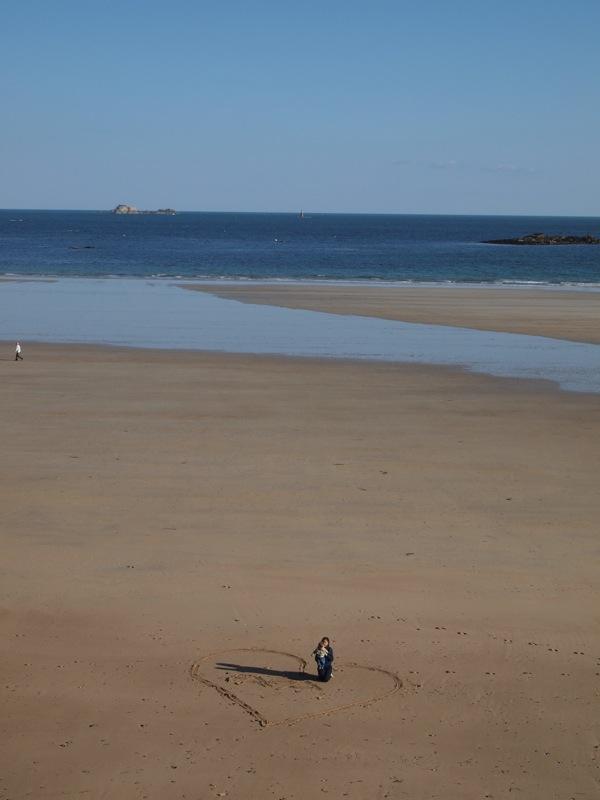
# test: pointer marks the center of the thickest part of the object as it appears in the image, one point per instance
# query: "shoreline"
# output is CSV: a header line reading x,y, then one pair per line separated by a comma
x,y
170,316
112,352
241,280
568,315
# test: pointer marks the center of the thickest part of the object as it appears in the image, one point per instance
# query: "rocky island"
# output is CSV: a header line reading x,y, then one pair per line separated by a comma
x,y
546,238
123,208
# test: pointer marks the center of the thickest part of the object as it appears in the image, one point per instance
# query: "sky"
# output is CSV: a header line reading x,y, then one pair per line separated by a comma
x,y
383,107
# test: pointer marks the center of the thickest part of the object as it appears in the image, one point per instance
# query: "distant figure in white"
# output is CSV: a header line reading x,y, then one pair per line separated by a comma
x,y
18,356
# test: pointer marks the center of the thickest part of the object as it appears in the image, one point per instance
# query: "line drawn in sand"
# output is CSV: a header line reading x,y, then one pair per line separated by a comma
x,y
197,675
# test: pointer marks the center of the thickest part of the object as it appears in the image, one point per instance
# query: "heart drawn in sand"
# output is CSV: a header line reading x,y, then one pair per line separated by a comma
x,y
274,688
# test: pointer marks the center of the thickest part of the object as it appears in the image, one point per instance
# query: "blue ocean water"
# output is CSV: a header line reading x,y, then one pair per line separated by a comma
x,y
284,246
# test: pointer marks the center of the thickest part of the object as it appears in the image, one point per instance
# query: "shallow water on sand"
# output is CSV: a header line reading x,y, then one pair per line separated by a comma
x,y
143,313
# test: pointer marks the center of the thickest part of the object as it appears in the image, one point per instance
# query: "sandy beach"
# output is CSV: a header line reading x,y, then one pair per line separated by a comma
x,y
557,313
180,529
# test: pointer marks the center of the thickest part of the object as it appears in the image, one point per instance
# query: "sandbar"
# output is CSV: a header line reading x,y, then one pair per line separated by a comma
x,y
557,313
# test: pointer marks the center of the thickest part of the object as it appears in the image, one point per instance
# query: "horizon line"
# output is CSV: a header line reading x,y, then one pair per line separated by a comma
x,y
296,212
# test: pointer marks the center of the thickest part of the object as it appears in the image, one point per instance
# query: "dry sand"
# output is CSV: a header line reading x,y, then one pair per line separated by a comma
x,y
170,518
561,314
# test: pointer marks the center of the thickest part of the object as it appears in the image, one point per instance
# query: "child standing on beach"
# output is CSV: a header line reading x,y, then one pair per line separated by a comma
x,y
323,654
18,356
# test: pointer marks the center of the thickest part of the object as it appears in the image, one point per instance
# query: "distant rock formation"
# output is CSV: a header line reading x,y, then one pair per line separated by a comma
x,y
123,208
546,238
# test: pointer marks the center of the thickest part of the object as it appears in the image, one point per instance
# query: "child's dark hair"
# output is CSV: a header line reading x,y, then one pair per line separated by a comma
x,y
326,637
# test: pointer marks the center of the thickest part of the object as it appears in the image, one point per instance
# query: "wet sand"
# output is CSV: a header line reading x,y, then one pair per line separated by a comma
x,y
560,314
179,529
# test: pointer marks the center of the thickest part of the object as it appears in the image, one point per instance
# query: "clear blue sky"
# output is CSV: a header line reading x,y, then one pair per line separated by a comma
x,y
433,107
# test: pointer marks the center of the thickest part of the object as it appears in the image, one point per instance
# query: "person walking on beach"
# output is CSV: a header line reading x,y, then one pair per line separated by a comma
x,y
18,356
323,654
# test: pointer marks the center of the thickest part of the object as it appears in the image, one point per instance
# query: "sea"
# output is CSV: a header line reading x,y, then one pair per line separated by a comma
x,y
279,247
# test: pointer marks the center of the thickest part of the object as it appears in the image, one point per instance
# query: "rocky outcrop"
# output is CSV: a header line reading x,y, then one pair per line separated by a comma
x,y
545,238
123,208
